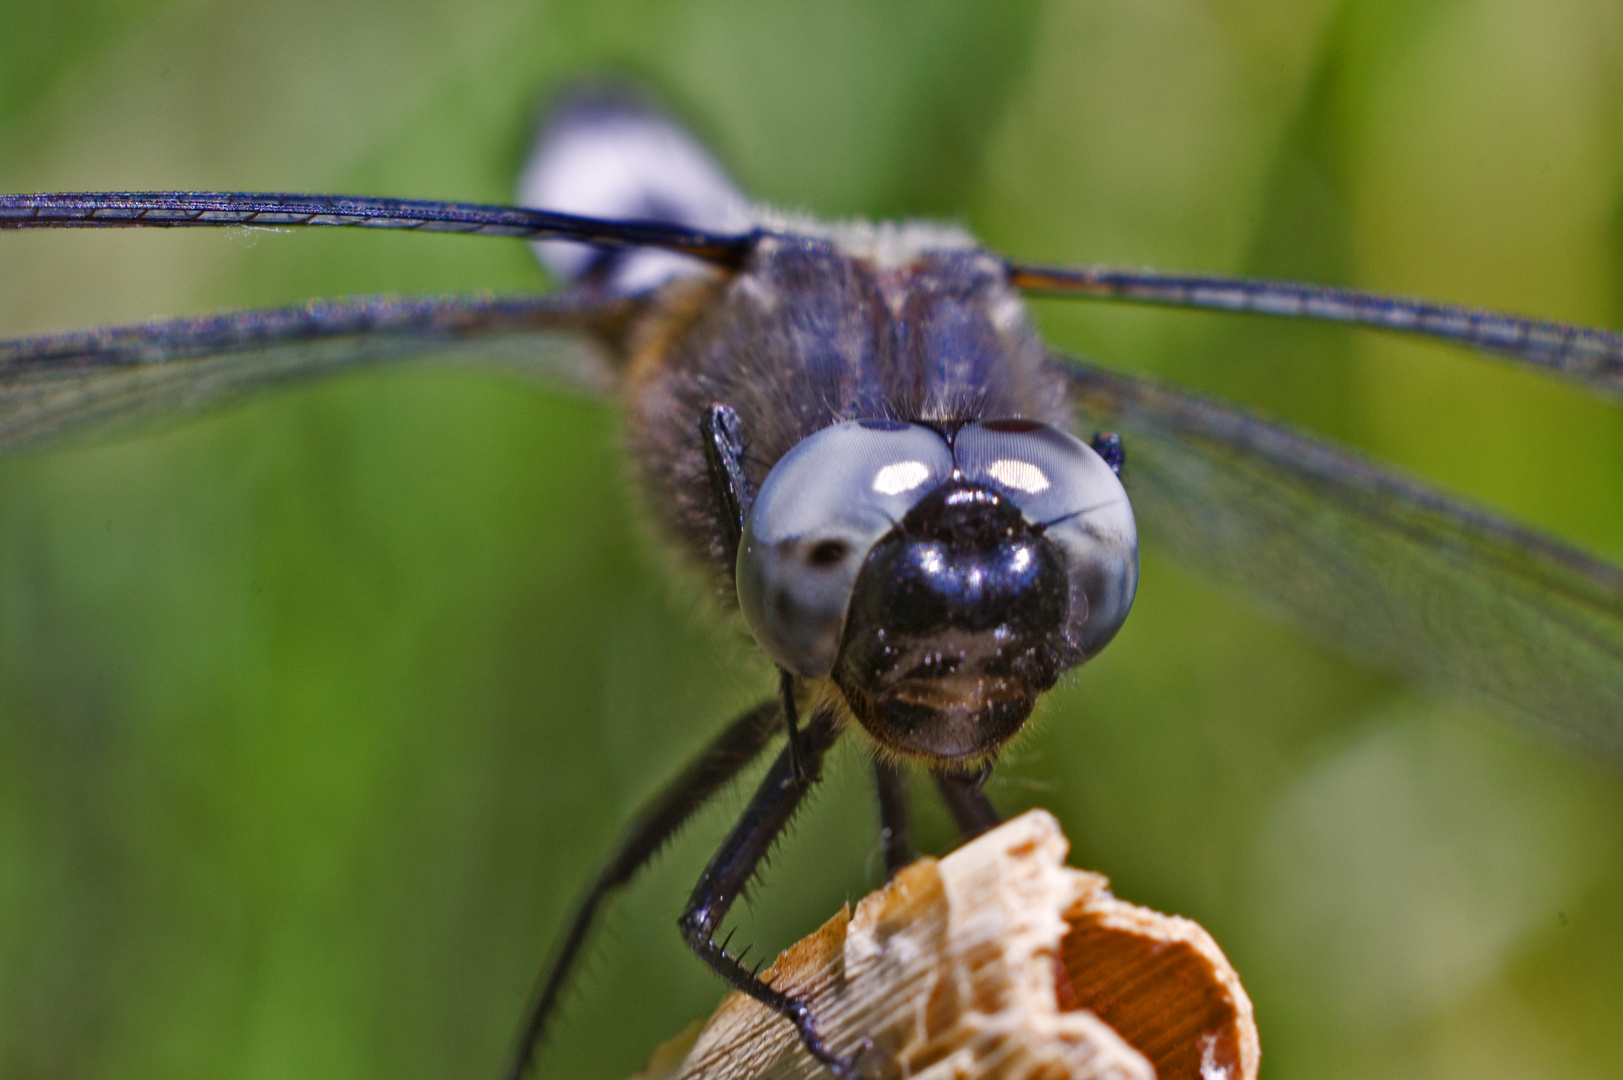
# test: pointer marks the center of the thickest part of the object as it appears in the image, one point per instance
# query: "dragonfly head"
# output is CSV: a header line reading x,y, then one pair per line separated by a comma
x,y
942,580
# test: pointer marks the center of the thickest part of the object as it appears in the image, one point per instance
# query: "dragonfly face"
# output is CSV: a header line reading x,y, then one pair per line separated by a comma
x,y
942,586
1137,453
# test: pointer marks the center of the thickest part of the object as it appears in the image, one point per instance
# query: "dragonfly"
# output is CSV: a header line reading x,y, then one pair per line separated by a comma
x,y
675,282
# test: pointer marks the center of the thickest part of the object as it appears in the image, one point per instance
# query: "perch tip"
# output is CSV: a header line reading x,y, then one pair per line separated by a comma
x,y
997,962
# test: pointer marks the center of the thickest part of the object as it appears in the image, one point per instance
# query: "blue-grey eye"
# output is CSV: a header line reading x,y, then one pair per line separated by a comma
x,y
1060,483
820,511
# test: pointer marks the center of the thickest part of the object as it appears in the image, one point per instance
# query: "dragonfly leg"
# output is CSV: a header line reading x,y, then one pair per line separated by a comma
x,y
723,437
895,832
732,867
738,745
965,796
791,721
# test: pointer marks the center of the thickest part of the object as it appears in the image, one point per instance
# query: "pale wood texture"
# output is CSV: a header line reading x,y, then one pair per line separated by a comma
x,y
998,962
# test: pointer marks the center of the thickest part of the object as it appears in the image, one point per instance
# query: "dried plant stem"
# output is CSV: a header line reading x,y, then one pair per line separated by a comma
x,y
998,961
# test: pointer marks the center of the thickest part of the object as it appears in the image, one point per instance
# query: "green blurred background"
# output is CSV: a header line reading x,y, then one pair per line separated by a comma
x,y
316,714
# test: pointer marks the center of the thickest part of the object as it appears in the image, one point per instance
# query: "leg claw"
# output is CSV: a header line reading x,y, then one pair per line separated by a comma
x,y
844,1068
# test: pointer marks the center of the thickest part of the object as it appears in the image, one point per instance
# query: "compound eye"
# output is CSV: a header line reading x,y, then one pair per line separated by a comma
x,y
822,508
1063,486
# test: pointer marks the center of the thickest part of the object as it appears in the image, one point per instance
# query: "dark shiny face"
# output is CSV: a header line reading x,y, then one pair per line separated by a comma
x,y
943,578
955,627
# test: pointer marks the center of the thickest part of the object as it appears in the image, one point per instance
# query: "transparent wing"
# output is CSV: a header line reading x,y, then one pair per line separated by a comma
x,y
59,384
1393,572
1590,357
217,209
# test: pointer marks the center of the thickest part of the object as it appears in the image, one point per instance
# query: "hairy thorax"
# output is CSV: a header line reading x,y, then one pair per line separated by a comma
x,y
904,322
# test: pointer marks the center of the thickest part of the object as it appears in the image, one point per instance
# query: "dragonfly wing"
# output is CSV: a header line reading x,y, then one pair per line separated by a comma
x,y
1591,357
59,384
1383,567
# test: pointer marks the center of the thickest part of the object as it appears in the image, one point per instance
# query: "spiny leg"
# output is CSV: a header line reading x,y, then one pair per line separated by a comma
x,y
895,832
791,722
769,810
721,433
738,745
966,798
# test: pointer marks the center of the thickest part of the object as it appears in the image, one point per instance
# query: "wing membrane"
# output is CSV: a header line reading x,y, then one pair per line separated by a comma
x,y
1400,575
218,209
57,384
1589,357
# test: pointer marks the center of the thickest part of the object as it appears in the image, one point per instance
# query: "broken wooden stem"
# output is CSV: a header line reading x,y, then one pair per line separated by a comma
x,y
997,962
